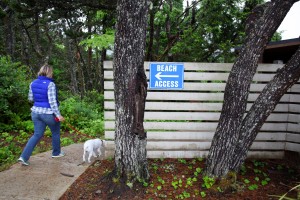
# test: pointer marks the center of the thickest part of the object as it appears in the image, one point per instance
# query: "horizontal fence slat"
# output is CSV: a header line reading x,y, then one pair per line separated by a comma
x,y
193,116
265,154
203,153
207,116
202,136
158,153
193,66
295,88
200,146
109,85
162,145
267,146
293,137
195,126
295,98
189,66
292,147
187,96
177,154
214,87
178,107
168,106
293,127
295,108
205,76
294,118
200,154
174,116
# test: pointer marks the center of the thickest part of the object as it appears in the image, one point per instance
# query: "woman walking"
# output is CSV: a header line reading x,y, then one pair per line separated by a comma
x,y
44,112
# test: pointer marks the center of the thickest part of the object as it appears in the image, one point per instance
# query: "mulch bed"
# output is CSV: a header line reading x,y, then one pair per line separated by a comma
x,y
259,179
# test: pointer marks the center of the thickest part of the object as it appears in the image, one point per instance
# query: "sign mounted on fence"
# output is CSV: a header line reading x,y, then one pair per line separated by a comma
x,y
166,76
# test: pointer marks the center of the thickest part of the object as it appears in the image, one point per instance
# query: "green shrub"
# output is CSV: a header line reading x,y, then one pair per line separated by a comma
x,y
96,99
95,128
85,115
66,141
27,126
8,154
14,84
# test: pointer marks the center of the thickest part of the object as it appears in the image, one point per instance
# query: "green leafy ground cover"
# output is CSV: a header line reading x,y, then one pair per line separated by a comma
x,y
184,179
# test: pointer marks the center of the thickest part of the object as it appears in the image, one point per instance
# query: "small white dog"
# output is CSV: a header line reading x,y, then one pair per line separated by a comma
x,y
92,147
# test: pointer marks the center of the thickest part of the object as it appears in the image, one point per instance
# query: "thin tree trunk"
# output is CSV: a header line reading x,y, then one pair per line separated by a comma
x,y
260,27
80,70
24,48
101,70
71,60
130,90
149,56
89,72
9,21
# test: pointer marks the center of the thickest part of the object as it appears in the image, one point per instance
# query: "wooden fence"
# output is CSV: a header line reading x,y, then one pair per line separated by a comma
x,y
181,123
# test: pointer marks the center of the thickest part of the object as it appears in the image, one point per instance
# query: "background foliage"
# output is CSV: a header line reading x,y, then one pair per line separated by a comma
x,y
14,84
76,37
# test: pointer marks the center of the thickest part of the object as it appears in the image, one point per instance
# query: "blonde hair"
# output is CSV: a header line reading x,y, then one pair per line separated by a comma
x,y
46,70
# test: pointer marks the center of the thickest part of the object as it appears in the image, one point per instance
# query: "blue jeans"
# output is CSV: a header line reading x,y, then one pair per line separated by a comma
x,y
40,122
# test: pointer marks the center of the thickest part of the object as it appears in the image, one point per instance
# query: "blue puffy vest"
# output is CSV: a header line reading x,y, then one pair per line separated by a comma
x,y
39,89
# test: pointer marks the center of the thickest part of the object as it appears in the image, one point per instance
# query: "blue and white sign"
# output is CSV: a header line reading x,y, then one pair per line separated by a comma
x,y
166,76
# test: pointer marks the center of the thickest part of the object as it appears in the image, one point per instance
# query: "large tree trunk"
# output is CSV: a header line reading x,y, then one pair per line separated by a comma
x,y
260,27
130,86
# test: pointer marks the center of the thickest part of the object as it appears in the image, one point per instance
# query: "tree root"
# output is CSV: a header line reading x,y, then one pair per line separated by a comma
x,y
228,183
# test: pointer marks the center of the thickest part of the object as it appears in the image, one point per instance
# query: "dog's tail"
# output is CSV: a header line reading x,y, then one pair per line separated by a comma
x,y
103,142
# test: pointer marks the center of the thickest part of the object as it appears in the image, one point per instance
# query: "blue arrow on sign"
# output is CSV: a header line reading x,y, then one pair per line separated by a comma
x,y
166,76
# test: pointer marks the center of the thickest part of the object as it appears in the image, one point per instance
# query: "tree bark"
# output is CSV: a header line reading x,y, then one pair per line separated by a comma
x,y
260,27
130,87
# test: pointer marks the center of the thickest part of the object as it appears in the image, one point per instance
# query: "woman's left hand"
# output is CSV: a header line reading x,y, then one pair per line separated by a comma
x,y
61,118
